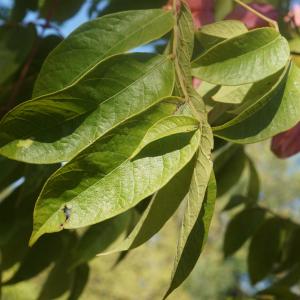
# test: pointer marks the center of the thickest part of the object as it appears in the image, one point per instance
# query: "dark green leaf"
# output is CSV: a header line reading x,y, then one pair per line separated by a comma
x,y
229,166
265,249
241,227
80,281
198,212
16,43
194,231
38,258
60,11
254,184
235,201
119,5
99,237
60,279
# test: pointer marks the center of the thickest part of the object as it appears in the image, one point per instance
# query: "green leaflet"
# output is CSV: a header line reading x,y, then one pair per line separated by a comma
x,y
240,228
222,8
102,182
265,248
198,213
212,34
275,112
247,94
232,94
96,40
253,184
99,237
60,279
228,167
63,10
38,258
161,208
16,43
56,128
243,59
81,278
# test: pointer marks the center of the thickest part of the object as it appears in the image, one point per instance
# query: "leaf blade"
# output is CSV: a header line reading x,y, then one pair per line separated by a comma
x,y
269,114
56,128
113,188
105,36
197,215
242,59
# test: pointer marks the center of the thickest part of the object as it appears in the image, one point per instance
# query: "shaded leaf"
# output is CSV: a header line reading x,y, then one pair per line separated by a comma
x,y
61,10
192,244
60,279
198,213
99,237
38,258
240,228
265,249
253,183
119,5
232,94
235,201
81,278
229,166
16,43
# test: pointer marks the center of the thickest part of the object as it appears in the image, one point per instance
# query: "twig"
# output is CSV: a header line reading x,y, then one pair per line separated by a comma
x,y
271,22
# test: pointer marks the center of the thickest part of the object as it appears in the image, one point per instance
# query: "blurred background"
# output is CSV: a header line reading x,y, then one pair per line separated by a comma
x,y
145,272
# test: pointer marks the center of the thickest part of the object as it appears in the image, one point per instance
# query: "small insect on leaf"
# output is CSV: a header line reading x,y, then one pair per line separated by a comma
x,y
67,212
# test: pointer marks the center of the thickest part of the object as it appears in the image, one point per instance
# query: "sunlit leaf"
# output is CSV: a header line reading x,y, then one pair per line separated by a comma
x,y
246,58
103,191
212,34
56,128
106,36
81,278
161,208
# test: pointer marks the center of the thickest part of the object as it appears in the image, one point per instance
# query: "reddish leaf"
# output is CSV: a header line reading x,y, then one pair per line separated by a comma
x,y
287,143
